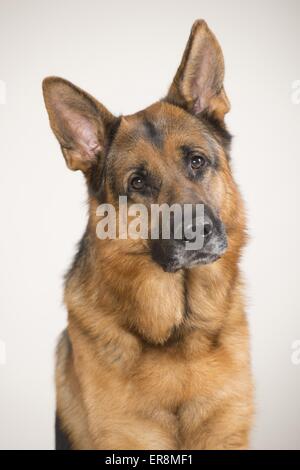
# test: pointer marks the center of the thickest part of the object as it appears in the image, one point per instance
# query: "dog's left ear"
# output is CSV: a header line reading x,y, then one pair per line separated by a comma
x,y
198,83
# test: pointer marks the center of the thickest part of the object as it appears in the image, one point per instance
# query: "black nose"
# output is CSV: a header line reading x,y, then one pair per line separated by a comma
x,y
206,225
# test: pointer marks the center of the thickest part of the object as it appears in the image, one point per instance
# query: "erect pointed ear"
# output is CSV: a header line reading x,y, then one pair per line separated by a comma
x,y
80,123
198,83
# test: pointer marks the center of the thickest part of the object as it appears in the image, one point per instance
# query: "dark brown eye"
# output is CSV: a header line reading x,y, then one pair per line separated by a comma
x,y
137,183
197,162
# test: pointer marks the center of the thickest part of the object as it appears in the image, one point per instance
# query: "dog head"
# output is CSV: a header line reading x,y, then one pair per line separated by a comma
x,y
173,152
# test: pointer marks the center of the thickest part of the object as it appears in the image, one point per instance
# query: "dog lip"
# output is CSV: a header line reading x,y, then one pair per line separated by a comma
x,y
171,267
211,256
205,258
193,258
208,258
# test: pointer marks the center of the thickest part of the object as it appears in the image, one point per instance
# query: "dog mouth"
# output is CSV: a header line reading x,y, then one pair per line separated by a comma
x,y
201,259
175,254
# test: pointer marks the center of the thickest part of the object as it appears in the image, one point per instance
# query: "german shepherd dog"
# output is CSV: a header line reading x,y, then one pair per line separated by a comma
x,y
156,353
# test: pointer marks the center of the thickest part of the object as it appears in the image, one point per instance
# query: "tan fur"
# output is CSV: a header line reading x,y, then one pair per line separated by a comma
x,y
150,359
193,394
138,388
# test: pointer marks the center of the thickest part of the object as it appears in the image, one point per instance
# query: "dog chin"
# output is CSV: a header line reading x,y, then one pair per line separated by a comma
x,y
175,265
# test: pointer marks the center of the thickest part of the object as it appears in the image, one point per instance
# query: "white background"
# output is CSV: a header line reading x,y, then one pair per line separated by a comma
x,y
126,53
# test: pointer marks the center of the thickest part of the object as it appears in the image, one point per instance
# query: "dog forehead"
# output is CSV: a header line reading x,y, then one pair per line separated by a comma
x,y
158,125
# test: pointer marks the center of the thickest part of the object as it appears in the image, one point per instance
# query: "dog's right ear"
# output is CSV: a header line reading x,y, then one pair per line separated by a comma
x,y
80,123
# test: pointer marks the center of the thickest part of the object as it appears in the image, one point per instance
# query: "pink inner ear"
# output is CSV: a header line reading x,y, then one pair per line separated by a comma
x,y
85,134
203,84
81,132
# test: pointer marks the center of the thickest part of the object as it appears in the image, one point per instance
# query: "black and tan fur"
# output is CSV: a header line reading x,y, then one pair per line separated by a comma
x,y
154,357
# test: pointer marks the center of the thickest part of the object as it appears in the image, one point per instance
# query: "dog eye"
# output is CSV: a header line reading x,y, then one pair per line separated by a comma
x,y
137,182
197,162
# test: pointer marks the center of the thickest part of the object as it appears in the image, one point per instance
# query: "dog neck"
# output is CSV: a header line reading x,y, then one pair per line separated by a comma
x,y
128,290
